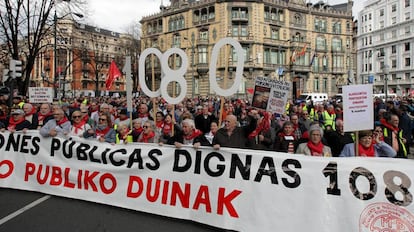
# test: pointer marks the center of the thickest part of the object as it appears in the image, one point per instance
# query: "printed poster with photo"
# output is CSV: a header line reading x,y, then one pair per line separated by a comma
x,y
271,95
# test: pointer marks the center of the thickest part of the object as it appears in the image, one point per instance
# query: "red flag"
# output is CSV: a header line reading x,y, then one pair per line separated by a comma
x,y
113,73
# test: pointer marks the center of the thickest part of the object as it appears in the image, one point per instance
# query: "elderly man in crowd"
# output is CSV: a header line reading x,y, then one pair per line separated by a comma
x,y
233,136
58,126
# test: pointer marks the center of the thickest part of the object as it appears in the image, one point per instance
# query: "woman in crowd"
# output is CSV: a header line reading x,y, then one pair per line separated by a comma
x,y
213,130
261,137
314,147
79,125
148,135
124,134
370,145
169,128
136,129
103,131
285,139
189,135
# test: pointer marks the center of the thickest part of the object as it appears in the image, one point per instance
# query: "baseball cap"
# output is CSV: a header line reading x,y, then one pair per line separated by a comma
x,y
18,111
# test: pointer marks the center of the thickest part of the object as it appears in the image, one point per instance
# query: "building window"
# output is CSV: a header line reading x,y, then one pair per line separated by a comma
x,y
381,24
336,44
394,20
316,85
407,16
246,54
325,85
320,44
394,8
407,30
394,63
176,41
273,14
297,19
407,62
240,30
336,28
325,63
239,13
407,3
393,49
407,46
202,55
203,35
274,34
381,12
320,25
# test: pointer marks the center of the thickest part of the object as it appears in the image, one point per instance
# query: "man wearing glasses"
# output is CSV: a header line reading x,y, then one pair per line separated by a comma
x,y
58,126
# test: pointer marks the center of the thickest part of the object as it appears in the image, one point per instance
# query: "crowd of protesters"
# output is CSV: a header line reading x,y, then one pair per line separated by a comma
x,y
305,128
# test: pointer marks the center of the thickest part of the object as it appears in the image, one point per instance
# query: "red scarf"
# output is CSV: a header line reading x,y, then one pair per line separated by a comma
x,y
331,111
282,135
264,125
79,126
63,120
316,149
369,152
42,117
146,137
195,133
389,126
160,124
167,128
139,130
101,133
12,123
124,137
33,111
85,118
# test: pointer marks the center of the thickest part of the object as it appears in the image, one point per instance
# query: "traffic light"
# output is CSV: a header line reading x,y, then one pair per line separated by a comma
x,y
16,68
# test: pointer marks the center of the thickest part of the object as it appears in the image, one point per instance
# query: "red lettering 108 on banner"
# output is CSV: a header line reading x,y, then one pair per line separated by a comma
x,y
169,75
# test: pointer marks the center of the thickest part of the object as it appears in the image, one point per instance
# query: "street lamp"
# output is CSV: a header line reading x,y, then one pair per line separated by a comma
x,y
55,59
192,66
386,70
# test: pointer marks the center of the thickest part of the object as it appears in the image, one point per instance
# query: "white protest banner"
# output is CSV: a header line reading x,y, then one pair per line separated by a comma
x,y
358,107
271,95
242,190
40,94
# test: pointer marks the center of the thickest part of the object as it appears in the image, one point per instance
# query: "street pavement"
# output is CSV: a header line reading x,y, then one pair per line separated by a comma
x,y
52,213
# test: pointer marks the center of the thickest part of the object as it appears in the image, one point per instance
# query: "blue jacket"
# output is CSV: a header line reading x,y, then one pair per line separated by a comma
x,y
382,149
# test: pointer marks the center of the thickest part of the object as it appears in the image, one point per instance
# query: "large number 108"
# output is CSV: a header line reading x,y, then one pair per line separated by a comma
x,y
169,75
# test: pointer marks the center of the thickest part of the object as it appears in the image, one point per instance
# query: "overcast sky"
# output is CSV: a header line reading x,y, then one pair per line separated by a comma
x,y
117,15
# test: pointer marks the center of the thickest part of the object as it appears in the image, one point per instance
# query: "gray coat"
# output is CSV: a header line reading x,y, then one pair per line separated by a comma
x,y
62,130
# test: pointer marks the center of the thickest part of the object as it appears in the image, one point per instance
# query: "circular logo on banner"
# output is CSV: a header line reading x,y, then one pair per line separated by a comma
x,y
386,217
